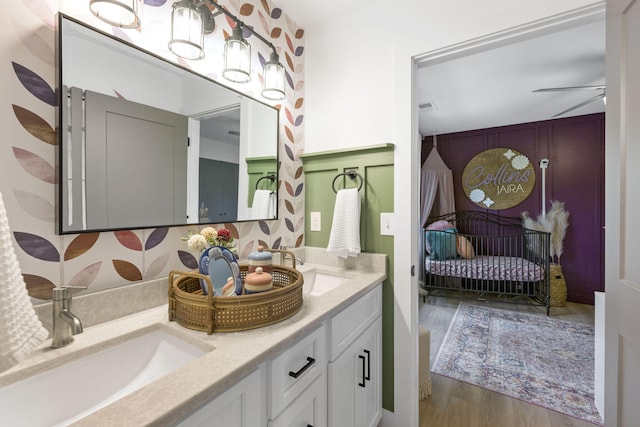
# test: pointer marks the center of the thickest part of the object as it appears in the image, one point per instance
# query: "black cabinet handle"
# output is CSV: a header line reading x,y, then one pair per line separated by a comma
x,y
363,383
310,362
368,376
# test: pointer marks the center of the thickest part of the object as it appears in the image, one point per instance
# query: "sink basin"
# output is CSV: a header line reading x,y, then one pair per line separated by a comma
x,y
71,391
318,282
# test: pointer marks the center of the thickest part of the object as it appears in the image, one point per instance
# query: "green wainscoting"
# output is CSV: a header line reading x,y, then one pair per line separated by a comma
x,y
375,165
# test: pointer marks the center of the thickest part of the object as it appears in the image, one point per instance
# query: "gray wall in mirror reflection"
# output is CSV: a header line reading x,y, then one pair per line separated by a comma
x,y
93,61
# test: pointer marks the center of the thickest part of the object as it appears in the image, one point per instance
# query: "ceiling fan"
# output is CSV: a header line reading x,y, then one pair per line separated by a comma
x,y
602,95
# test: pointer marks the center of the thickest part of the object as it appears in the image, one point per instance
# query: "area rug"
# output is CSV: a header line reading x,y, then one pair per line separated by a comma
x,y
537,359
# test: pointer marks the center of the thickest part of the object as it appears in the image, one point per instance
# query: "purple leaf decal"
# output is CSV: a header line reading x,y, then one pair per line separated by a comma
x,y
276,12
156,237
289,225
86,276
299,120
188,260
157,266
155,3
35,205
289,79
35,125
299,189
299,51
264,227
36,246
289,152
262,60
36,165
276,243
127,270
35,84
129,240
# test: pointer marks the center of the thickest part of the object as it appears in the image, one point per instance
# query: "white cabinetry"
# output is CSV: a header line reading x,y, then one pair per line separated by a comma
x,y
242,405
355,369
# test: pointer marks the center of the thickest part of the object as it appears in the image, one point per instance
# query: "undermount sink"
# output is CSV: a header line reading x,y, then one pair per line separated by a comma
x,y
72,391
318,282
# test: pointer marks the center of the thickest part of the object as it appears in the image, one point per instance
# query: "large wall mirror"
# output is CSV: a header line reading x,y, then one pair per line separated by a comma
x,y
147,143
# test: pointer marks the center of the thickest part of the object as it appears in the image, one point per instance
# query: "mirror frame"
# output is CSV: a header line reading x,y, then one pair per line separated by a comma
x,y
61,216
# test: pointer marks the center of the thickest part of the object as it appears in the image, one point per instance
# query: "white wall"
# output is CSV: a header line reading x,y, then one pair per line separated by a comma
x,y
358,87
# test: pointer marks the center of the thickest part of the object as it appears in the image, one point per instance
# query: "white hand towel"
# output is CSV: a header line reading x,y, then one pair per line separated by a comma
x,y
261,204
344,240
20,329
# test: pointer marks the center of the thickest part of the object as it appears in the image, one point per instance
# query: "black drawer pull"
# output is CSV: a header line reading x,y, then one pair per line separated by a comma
x,y
368,376
310,362
363,383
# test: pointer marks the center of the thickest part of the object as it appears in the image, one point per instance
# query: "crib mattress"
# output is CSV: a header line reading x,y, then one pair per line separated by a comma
x,y
487,268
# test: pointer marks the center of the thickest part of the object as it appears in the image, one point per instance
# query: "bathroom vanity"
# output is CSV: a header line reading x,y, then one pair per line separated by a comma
x,y
319,367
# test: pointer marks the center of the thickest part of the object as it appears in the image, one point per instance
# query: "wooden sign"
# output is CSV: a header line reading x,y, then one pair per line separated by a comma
x,y
499,178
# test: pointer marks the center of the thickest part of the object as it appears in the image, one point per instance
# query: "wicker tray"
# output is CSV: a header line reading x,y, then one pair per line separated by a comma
x,y
193,310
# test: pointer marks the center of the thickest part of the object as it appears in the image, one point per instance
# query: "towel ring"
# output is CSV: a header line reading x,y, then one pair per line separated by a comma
x,y
271,178
352,175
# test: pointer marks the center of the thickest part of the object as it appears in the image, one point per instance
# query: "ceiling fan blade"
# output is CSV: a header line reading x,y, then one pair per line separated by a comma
x,y
582,104
570,88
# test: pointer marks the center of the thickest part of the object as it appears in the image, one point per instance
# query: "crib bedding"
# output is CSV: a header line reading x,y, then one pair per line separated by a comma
x,y
488,268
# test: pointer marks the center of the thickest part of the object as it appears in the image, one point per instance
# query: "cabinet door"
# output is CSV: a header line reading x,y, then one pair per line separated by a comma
x,y
355,397
242,405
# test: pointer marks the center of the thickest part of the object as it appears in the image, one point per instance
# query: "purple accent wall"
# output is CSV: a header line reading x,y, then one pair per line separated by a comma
x,y
575,149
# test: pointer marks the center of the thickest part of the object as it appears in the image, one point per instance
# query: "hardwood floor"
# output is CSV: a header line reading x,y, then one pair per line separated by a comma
x,y
458,404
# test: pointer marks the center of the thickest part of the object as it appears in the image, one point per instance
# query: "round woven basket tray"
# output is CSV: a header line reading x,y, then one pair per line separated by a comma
x,y
193,310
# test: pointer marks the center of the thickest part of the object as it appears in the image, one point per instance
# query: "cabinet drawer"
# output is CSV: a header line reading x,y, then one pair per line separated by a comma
x,y
308,409
293,370
353,320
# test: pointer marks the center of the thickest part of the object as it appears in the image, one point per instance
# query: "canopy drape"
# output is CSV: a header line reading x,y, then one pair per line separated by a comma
x,y
436,188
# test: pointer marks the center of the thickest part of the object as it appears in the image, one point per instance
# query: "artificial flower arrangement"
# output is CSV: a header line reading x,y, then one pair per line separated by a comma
x,y
210,237
555,222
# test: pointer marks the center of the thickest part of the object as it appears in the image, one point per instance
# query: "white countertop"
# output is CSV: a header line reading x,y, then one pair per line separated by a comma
x,y
235,354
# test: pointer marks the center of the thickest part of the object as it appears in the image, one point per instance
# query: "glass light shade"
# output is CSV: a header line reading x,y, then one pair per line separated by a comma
x,y
119,13
273,79
237,58
187,35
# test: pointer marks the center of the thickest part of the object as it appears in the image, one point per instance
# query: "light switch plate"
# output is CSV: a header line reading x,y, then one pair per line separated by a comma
x,y
316,223
386,224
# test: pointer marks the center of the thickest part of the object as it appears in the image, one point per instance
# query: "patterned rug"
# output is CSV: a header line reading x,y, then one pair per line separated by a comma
x,y
540,360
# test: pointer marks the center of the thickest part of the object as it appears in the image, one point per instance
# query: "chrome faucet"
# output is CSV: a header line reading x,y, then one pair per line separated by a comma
x,y
65,323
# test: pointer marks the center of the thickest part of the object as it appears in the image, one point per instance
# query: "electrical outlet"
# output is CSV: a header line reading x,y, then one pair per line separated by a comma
x,y
316,223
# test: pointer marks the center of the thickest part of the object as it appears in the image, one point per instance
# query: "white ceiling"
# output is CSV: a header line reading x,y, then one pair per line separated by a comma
x,y
494,87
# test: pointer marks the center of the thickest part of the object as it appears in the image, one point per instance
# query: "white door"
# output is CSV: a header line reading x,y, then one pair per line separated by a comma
x,y
622,242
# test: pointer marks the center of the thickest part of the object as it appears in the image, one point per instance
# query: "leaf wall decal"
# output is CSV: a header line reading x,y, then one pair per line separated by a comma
x,y
299,172
299,119
299,84
264,23
265,6
155,3
289,134
36,246
246,9
127,270
276,32
299,189
36,165
129,240
289,152
246,250
276,243
299,33
289,115
38,286
156,237
35,125
35,84
35,205
232,229
35,43
264,227
300,223
289,189
188,260
299,240
86,276
263,243
299,51
289,61
289,225
262,61
80,245
299,102
289,79
156,267
289,42
276,12
41,10
289,207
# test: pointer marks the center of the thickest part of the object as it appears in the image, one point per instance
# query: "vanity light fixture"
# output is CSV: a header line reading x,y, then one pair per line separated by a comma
x,y
190,21
237,57
119,13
